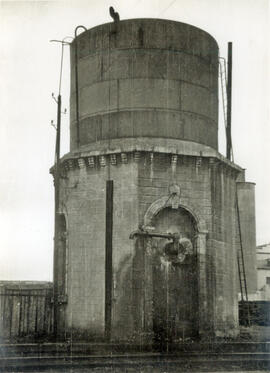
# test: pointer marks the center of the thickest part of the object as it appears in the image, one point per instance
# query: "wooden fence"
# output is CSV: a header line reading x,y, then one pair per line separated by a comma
x,y
25,311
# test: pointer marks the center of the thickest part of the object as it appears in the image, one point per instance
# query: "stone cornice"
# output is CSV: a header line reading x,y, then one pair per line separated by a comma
x,y
105,152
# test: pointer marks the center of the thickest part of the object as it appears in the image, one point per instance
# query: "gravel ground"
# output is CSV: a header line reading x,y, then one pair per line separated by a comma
x,y
256,333
138,370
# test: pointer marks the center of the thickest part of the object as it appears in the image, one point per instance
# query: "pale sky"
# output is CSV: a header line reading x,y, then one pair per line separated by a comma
x,y
29,71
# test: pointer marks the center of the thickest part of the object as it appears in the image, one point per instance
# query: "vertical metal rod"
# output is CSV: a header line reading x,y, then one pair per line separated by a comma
x,y
56,215
58,131
28,314
77,85
108,258
11,314
20,315
77,95
229,103
61,67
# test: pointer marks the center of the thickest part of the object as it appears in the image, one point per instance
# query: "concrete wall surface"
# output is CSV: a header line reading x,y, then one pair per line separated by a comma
x,y
83,202
145,77
144,185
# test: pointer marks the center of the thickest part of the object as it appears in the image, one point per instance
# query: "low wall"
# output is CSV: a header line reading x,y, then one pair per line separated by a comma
x,y
26,310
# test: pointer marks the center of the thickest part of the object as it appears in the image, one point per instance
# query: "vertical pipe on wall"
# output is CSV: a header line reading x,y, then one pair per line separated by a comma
x,y
108,258
56,216
77,84
229,103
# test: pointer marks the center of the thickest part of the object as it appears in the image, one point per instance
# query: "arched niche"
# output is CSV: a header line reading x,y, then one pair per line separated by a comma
x,y
166,215
166,201
174,277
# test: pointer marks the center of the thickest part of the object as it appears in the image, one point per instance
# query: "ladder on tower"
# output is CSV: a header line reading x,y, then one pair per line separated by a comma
x,y
241,268
240,252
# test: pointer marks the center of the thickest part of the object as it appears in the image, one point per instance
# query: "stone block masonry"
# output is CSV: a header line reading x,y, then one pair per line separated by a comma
x,y
142,180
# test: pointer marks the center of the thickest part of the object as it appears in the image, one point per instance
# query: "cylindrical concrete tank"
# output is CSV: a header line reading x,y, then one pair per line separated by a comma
x,y
145,78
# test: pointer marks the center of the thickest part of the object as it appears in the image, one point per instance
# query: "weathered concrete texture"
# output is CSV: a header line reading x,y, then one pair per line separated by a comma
x,y
223,248
206,199
85,258
208,190
146,77
246,203
83,201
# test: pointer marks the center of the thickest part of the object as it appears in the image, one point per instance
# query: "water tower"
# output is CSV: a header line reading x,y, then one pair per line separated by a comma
x,y
148,230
